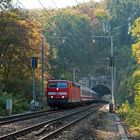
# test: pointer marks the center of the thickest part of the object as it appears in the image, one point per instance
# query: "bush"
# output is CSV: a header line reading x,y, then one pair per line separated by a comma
x,y
131,116
124,109
20,103
3,98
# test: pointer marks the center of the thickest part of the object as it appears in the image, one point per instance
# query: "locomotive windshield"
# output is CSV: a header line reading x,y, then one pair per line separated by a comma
x,y
57,85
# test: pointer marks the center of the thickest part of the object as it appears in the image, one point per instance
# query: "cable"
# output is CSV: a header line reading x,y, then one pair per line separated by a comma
x,y
45,9
79,36
54,4
50,15
28,11
54,20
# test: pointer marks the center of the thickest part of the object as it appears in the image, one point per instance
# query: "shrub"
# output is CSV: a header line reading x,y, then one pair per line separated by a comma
x,y
20,103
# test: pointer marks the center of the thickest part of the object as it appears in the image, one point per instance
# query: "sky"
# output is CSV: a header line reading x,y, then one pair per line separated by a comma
x,y
29,4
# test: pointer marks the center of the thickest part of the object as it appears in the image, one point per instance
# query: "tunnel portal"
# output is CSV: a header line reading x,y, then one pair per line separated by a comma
x,y
101,89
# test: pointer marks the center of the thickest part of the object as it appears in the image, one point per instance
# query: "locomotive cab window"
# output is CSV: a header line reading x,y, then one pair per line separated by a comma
x,y
62,85
52,85
57,85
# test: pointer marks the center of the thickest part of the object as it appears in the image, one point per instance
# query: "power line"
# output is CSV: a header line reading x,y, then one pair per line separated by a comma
x,y
45,9
48,14
51,18
30,12
53,21
61,16
79,36
54,4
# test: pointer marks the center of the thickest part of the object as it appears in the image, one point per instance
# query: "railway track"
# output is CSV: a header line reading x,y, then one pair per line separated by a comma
x,y
25,116
70,123
62,120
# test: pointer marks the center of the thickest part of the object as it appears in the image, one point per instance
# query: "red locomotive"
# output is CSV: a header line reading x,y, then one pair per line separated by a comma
x,y
63,93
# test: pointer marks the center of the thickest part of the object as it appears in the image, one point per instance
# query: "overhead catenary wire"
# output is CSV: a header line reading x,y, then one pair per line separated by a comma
x,y
79,36
51,18
31,13
48,14
45,10
54,4
53,21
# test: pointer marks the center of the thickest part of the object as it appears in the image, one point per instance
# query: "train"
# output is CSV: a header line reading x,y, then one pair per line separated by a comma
x,y
65,93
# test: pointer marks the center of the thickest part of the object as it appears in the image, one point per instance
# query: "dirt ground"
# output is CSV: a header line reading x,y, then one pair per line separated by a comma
x,y
106,128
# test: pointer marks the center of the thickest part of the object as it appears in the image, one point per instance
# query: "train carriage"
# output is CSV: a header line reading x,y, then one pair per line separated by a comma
x,y
88,95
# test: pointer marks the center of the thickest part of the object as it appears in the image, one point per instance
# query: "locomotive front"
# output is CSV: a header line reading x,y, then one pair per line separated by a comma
x,y
57,93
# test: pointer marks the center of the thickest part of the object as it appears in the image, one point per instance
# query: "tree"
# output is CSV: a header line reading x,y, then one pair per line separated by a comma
x,y
123,13
20,40
75,29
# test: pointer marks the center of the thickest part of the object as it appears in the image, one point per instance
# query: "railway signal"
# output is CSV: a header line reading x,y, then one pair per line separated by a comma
x,y
34,66
34,62
111,61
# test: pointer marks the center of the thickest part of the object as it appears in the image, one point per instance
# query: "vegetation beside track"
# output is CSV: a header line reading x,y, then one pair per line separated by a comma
x,y
20,104
131,118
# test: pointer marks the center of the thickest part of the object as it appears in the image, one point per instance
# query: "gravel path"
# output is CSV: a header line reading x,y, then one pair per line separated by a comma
x,y
108,128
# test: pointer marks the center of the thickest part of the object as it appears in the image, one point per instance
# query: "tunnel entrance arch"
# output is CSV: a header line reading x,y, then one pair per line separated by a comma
x,y
102,90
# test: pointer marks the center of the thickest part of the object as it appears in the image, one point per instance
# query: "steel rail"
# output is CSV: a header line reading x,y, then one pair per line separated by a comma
x,y
25,116
20,115
27,130
57,131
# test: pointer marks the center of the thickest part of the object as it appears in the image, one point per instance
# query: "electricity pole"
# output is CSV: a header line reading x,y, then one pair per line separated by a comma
x,y
42,97
111,65
112,72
